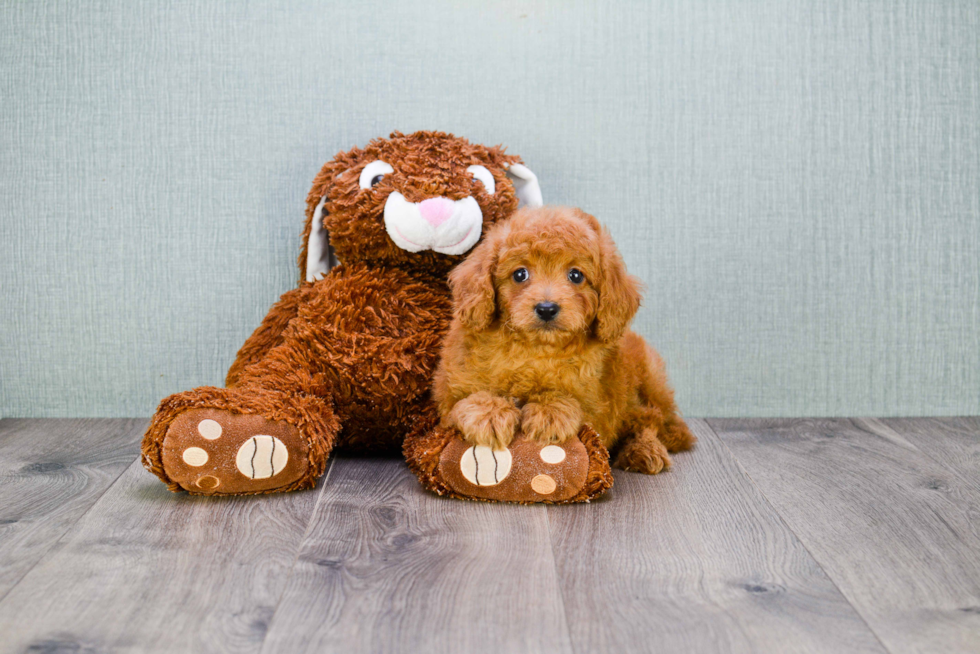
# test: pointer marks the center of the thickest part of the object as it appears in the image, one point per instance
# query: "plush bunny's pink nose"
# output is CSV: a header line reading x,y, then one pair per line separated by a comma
x,y
436,211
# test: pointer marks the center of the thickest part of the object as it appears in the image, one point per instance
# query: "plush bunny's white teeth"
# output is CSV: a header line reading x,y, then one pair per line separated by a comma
x,y
439,224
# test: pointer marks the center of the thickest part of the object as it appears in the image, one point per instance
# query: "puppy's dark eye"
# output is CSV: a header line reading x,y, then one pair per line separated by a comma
x,y
575,276
520,275
376,180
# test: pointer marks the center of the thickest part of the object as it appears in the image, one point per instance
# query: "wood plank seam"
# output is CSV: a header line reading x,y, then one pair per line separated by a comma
x,y
299,549
928,453
390,567
798,537
221,559
554,567
697,560
54,543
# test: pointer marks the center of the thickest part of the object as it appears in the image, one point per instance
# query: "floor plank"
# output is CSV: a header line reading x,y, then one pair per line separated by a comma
x,y
152,571
695,560
952,442
51,472
894,529
387,567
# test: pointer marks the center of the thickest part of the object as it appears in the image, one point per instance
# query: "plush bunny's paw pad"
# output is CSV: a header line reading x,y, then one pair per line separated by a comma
x,y
524,472
216,452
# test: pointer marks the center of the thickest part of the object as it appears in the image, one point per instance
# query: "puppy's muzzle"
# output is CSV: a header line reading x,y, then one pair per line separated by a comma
x,y
547,311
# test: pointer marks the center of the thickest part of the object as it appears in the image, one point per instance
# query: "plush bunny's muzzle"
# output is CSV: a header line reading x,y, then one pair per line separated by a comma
x,y
440,224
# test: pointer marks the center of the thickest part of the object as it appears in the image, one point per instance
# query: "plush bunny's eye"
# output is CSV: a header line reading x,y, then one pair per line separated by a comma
x,y
484,177
520,275
374,172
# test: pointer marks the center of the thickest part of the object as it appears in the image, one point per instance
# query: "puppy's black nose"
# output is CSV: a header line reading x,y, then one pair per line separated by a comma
x,y
546,310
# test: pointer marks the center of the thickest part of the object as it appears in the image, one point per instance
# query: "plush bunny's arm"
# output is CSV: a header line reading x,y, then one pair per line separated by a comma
x,y
268,334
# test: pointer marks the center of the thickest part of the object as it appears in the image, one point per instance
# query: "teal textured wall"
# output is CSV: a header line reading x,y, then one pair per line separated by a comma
x,y
797,182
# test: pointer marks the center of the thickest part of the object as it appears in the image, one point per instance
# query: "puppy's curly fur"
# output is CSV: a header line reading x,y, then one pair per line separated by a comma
x,y
512,361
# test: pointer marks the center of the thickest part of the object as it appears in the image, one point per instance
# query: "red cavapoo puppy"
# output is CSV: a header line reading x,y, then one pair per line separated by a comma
x,y
539,342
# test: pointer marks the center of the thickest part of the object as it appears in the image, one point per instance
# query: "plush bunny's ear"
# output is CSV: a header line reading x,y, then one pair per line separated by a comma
x,y
526,185
319,255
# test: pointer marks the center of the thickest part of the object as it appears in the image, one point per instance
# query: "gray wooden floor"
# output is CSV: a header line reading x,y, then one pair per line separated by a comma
x,y
772,536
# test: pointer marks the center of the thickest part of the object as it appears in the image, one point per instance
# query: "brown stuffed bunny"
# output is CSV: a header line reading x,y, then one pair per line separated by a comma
x,y
347,358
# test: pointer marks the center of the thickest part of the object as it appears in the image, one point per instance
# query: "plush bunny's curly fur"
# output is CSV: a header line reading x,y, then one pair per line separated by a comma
x,y
539,344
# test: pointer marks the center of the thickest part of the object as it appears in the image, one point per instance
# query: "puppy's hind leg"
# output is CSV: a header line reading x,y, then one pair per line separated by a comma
x,y
655,393
676,435
642,450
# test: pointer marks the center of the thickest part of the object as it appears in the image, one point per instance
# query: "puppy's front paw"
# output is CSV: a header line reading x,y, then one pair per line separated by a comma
x,y
648,457
486,419
551,422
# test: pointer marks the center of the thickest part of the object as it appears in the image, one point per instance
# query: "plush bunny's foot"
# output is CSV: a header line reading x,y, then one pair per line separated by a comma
x,y
525,472
212,451
229,441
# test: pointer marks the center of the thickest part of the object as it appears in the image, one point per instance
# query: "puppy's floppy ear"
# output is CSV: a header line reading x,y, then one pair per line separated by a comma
x,y
474,295
619,292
